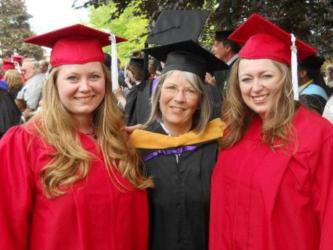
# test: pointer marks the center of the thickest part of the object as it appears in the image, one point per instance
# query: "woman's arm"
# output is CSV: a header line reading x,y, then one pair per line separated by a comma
x,y
15,191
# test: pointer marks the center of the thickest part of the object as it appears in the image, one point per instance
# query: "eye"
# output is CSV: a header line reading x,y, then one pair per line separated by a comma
x,y
170,86
245,79
190,91
95,77
72,78
267,76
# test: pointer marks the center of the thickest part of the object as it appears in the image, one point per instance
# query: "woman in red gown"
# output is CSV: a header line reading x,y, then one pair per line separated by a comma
x,y
272,186
68,177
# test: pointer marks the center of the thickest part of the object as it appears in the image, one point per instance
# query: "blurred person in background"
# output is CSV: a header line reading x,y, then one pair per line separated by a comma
x,y
29,96
15,82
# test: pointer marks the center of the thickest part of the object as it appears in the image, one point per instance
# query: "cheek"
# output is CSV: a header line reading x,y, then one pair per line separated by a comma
x,y
244,89
100,87
164,99
194,104
221,49
275,87
66,91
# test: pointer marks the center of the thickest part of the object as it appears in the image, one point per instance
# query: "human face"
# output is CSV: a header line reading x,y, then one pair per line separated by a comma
x,y
260,83
220,50
28,70
328,77
178,102
81,88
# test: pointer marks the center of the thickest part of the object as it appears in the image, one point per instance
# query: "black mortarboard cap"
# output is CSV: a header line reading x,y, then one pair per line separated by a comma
x,y
138,62
187,56
178,25
312,62
222,35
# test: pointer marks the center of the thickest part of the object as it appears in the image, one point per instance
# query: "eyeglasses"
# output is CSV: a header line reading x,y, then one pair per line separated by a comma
x,y
189,93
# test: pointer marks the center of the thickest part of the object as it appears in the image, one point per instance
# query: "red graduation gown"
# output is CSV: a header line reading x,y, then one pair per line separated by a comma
x,y
93,214
275,200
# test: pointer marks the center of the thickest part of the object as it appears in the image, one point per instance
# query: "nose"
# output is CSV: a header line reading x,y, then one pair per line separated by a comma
x,y
84,85
180,96
257,85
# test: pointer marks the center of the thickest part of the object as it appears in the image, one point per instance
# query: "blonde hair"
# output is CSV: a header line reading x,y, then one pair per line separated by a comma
x,y
328,63
13,78
200,117
70,161
238,116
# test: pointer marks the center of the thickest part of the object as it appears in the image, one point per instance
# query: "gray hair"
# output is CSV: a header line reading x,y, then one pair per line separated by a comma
x,y
200,117
31,61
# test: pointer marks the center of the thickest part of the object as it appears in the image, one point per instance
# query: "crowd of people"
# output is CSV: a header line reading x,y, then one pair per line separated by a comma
x,y
195,150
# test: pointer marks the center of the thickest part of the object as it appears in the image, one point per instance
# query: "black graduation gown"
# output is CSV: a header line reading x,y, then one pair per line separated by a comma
x,y
138,104
314,101
179,202
9,113
221,78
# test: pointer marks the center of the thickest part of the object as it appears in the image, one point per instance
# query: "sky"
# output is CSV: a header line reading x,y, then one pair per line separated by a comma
x,y
53,14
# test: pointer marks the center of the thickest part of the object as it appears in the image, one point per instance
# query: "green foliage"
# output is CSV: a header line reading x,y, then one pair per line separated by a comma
x,y
310,20
129,24
14,27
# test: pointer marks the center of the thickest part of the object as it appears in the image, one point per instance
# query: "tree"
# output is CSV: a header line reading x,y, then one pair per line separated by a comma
x,y
311,20
129,25
14,27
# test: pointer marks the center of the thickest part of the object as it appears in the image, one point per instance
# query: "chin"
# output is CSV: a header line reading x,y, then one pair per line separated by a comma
x,y
259,111
82,112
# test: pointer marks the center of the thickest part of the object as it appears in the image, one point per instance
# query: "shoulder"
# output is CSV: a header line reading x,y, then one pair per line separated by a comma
x,y
39,77
311,128
314,89
19,136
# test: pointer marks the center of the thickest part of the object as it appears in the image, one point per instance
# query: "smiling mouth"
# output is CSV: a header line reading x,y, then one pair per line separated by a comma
x,y
177,109
259,98
83,97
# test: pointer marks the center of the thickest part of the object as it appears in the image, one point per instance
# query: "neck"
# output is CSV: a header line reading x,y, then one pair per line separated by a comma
x,y
84,124
174,130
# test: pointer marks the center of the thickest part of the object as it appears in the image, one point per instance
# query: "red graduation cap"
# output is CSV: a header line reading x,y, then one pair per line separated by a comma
x,y
17,58
263,39
7,65
76,44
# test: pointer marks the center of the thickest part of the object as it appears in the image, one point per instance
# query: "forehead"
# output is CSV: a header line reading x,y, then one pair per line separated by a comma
x,y
86,68
257,64
218,43
180,78
28,64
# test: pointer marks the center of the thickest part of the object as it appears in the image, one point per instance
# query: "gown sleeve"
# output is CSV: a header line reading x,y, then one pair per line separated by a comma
x,y
215,225
323,192
15,190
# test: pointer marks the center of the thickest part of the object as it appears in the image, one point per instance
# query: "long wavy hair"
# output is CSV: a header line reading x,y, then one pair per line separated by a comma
x,y
200,117
70,161
277,126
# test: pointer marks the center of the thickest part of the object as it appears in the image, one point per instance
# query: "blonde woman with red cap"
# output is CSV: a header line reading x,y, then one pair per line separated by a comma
x,y
272,186
68,178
